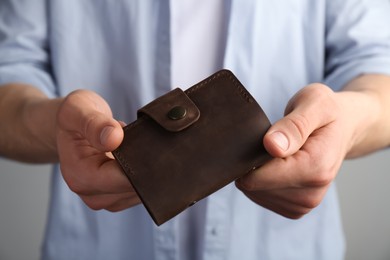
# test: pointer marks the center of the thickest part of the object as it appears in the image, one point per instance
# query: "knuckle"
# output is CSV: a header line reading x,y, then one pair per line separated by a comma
x,y
93,203
73,99
324,97
311,198
245,185
310,202
320,173
317,92
78,189
296,214
69,106
95,206
121,204
114,209
73,181
319,179
300,125
302,212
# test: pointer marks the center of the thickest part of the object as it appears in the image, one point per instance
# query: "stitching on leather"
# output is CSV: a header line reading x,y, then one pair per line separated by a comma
x,y
120,157
124,164
244,94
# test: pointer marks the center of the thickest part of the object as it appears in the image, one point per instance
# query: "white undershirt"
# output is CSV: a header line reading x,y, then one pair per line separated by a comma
x,y
198,31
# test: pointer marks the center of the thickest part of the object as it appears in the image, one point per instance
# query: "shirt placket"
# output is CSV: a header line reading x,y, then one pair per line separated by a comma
x,y
165,242
217,231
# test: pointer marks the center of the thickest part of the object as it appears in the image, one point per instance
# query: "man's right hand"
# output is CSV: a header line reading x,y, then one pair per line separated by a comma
x,y
86,133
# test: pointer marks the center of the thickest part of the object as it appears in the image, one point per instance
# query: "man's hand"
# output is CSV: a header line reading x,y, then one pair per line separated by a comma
x,y
318,131
86,133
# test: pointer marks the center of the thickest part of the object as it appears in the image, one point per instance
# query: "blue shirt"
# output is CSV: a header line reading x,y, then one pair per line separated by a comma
x,y
121,50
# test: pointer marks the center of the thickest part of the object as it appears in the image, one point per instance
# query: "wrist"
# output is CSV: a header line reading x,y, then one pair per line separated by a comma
x,y
368,107
362,116
39,119
27,131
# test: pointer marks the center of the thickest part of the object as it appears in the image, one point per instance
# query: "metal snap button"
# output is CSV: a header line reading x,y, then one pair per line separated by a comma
x,y
177,113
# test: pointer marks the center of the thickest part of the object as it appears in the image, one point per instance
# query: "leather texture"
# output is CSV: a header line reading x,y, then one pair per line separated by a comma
x,y
173,163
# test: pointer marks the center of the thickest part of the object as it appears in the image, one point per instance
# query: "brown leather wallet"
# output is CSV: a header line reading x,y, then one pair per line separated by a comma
x,y
185,145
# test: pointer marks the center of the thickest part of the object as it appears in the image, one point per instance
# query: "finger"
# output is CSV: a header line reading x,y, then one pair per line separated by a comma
x,y
108,178
279,173
311,108
111,201
281,207
302,197
292,202
314,165
84,114
96,175
124,204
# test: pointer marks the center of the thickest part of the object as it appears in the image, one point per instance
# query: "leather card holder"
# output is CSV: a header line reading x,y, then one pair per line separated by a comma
x,y
185,145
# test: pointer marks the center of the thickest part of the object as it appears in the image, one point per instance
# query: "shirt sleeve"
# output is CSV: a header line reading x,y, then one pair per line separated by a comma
x,y
24,52
357,40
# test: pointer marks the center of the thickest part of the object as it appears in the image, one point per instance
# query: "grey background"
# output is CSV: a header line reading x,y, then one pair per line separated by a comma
x,y
362,184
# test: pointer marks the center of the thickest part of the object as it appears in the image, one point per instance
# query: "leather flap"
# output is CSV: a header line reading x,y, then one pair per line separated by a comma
x,y
173,111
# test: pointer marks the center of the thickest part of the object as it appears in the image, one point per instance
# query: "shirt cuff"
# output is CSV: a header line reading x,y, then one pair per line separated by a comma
x,y
31,75
344,74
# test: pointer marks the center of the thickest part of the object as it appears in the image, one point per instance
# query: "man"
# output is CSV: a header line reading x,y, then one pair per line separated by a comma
x,y
129,52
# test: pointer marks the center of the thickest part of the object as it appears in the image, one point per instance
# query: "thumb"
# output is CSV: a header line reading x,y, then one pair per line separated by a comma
x,y
85,115
104,133
307,111
287,135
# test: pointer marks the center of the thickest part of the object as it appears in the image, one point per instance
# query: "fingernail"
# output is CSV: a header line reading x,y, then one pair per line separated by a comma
x,y
105,134
280,140
123,124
